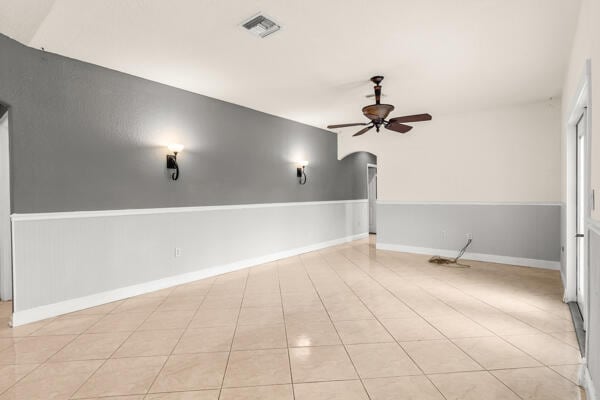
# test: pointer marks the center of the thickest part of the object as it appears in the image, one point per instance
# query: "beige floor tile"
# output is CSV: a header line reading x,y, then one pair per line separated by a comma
x,y
472,386
197,321
53,381
139,304
567,337
456,325
405,388
149,343
273,392
342,312
254,337
208,317
571,372
91,346
340,390
222,301
191,372
307,314
538,384
387,307
180,303
5,309
294,285
120,322
259,286
495,353
546,322
294,300
217,338
68,326
326,363
429,307
122,376
11,374
174,319
411,329
260,315
546,349
194,395
381,360
504,324
6,343
257,367
34,350
262,299
439,356
6,331
306,334
362,331
132,397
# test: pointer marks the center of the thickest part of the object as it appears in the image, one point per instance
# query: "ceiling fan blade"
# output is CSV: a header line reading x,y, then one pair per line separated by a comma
x,y
398,127
363,130
412,118
345,125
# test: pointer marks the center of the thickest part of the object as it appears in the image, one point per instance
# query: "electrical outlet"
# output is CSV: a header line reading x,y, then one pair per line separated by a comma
x,y
177,251
469,236
444,236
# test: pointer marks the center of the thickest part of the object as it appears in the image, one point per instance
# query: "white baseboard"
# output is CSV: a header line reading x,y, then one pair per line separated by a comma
x,y
81,303
588,385
524,262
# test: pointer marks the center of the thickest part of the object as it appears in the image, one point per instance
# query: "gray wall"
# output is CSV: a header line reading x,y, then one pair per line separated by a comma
x,y
512,230
85,137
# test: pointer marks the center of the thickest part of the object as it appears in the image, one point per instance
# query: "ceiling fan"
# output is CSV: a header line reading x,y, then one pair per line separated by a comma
x,y
378,113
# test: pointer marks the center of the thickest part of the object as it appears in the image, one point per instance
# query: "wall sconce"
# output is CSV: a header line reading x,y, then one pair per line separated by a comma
x,y
172,159
301,173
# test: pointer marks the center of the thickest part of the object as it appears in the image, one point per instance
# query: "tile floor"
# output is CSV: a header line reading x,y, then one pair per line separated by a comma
x,y
347,322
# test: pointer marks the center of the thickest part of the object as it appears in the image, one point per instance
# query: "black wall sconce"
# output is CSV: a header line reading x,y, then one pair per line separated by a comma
x,y
172,159
301,172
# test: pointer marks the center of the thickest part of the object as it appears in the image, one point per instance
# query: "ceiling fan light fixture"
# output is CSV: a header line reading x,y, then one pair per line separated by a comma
x,y
377,114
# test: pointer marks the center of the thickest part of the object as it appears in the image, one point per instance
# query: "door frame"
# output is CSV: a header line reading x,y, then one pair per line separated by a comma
x,y
580,105
6,274
581,260
369,165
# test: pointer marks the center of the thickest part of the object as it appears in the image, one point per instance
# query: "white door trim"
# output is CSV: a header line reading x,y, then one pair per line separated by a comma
x,y
579,106
369,165
6,281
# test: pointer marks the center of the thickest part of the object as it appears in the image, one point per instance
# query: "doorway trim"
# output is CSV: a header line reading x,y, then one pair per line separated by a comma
x,y
6,242
580,106
369,165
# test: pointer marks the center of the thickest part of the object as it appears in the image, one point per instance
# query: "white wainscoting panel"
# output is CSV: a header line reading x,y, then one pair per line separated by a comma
x,y
65,262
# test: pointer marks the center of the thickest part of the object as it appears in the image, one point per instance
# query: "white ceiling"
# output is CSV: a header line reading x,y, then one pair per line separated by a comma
x,y
438,56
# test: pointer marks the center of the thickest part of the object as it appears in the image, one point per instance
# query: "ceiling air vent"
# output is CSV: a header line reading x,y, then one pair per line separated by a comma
x,y
261,26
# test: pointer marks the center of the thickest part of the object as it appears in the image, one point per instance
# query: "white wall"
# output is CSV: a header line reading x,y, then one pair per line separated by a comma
x,y
586,46
73,260
510,154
